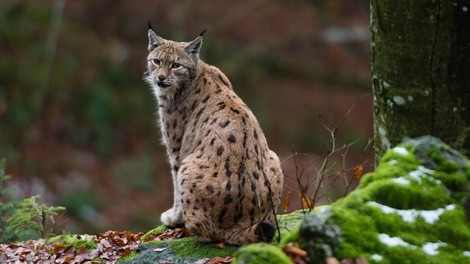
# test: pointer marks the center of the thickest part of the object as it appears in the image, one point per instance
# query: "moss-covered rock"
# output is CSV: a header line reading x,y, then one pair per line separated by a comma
x,y
188,250
185,250
261,253
410,210
319,235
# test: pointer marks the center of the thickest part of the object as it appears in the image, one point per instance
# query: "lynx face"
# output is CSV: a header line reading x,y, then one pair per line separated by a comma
x,y
171,65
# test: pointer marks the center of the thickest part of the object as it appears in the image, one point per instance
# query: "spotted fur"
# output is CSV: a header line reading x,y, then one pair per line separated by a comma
x,y
226,179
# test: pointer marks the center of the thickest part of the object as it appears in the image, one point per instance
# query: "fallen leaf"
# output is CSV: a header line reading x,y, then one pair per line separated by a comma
x,y
292,249
202,261
220,260
358,171
159,249
286,201
295,253
220,245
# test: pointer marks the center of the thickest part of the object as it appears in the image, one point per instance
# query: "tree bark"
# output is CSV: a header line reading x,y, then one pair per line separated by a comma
x,y
421,71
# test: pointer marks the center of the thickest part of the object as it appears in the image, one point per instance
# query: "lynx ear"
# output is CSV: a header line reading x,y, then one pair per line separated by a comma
x,y
194,47
154,40
203,32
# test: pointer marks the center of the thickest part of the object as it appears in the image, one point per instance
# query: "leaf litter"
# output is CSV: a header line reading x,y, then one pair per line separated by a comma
x,y
110,247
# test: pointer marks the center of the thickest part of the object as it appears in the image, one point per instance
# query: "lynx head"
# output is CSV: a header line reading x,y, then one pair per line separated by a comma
x,y
171,65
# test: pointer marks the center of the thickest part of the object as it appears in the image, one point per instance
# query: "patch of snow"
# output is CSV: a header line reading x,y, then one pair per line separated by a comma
x,y
429,248
376,257
432,216
401,150
401,180
410,215
423,173
393,241
432,248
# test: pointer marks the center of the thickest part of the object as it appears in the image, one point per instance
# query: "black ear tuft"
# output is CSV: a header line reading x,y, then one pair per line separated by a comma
x,y
203,32
149,25
265,231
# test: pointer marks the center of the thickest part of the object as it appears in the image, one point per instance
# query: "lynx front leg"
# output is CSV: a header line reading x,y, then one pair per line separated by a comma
x,y
174,216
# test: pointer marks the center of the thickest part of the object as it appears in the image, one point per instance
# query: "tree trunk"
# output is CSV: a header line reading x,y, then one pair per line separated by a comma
x,y
421,71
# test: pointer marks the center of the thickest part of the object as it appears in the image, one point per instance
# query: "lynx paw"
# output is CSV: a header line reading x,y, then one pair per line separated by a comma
x,y
172,218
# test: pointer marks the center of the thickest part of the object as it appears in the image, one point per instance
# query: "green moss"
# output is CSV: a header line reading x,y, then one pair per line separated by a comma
x,y
178,251
77,241
402,196
358,232
156,230
260,253
189,248
454,228
292,236
289,225
399,183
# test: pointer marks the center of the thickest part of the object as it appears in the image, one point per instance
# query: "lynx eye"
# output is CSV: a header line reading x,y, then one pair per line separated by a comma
x,y
176,65
156,62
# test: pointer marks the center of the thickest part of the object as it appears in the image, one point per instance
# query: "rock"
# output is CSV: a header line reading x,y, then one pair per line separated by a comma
x,y
188,250
318,235
412,209
184,250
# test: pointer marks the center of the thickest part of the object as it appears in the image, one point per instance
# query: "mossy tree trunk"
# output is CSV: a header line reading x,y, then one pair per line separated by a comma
x,y
421,71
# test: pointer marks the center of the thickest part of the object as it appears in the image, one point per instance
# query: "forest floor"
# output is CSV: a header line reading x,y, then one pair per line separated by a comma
x,y
111,246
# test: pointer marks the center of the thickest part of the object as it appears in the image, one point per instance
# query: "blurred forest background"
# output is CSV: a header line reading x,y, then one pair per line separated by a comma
x,y
78,123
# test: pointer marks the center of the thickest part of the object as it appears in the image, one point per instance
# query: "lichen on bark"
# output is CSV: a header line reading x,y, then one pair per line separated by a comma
x,y
419,54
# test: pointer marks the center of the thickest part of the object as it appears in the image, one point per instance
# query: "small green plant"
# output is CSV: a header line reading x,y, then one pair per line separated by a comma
x,y
24,219
33,218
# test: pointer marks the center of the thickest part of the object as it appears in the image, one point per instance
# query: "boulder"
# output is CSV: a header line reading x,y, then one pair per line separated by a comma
x,y
412,209
188,250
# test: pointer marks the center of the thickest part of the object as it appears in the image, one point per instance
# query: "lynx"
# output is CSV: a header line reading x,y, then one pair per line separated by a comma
x,y
227,182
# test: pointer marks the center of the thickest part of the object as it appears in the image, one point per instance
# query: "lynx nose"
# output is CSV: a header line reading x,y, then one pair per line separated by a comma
x,y
161,77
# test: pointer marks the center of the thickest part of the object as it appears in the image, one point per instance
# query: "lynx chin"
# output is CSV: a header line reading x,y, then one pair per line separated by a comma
x,y
227,182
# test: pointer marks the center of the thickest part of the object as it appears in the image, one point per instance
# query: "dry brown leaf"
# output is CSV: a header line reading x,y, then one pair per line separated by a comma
x,y
295,253
358,171
294,250
220,245
220,260
286,201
